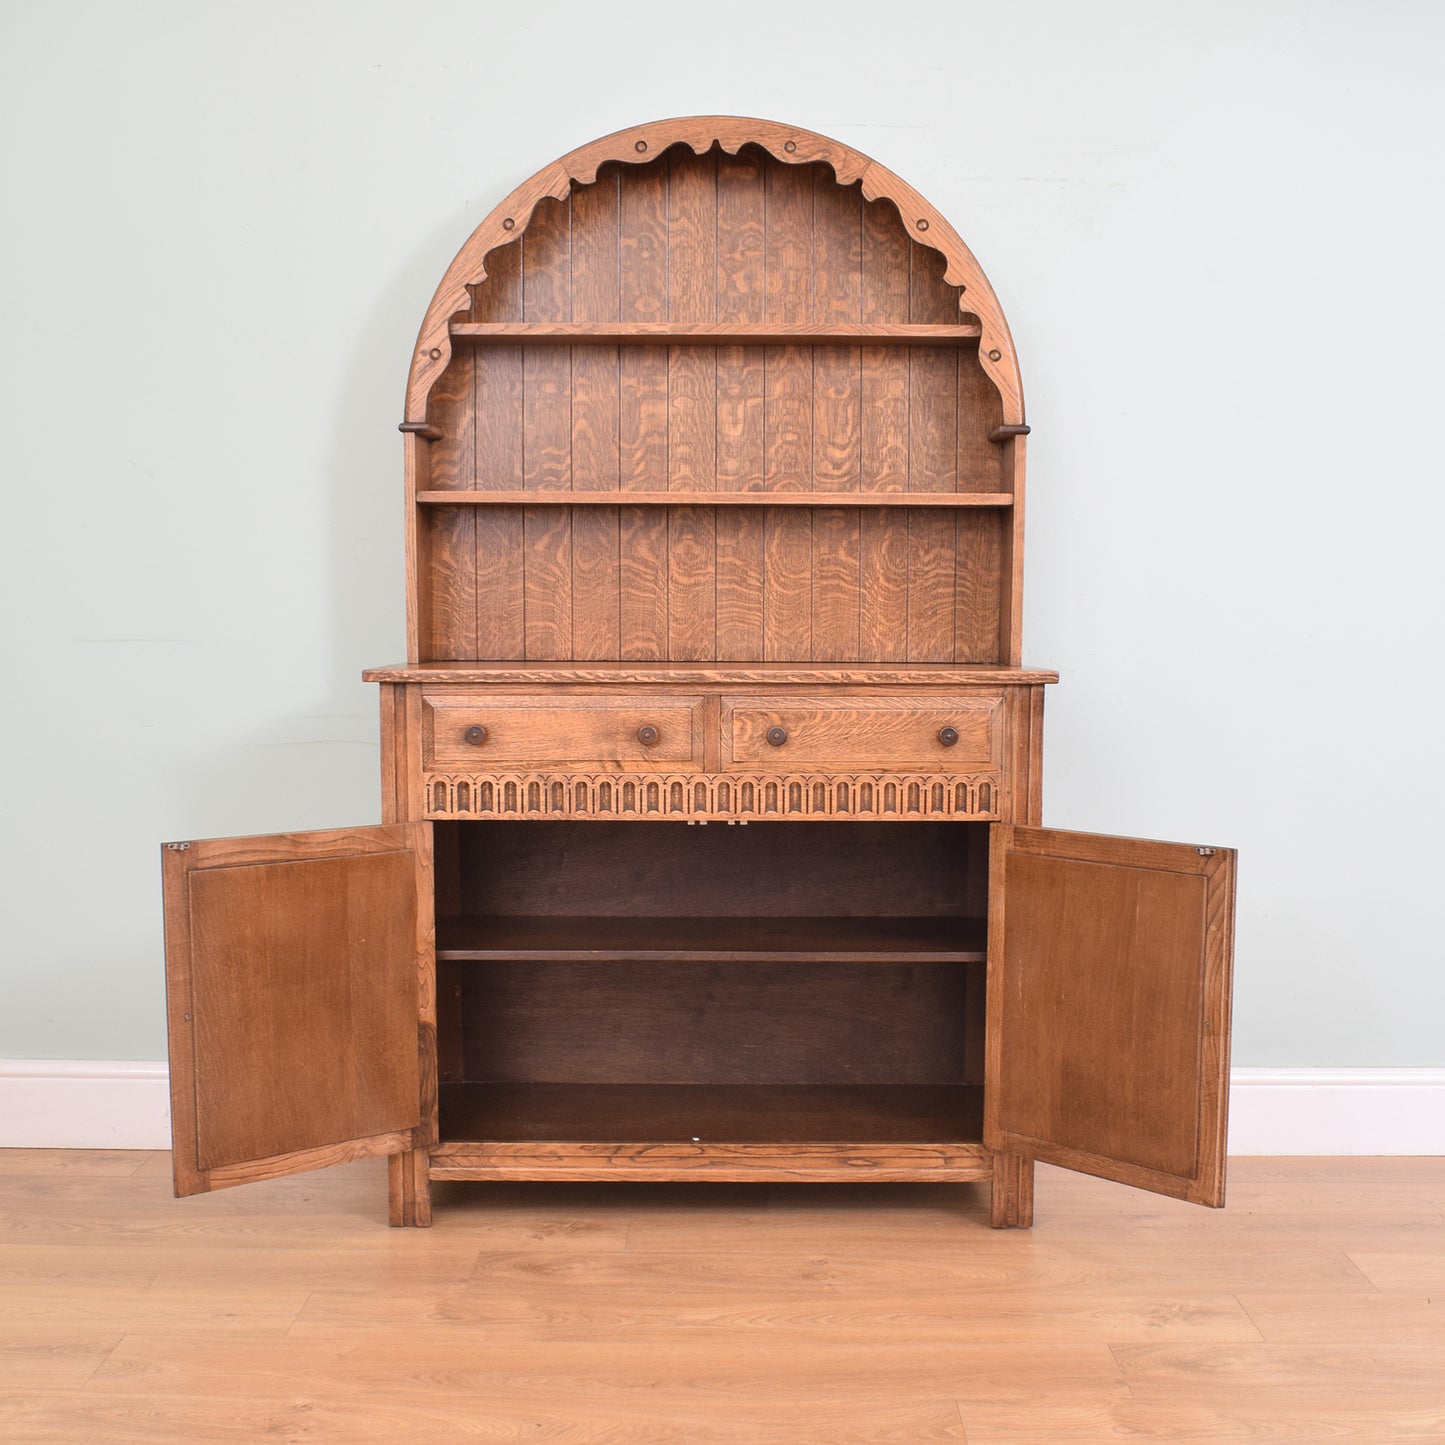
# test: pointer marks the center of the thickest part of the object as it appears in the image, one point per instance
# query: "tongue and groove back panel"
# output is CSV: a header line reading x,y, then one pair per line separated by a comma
x,y
716,238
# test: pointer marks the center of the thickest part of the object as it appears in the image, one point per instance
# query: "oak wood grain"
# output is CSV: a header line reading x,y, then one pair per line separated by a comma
x,y
451,574
596,415
547,435
788,415
692,407
932,467
741,181
884,288
500,559
837,419
643,253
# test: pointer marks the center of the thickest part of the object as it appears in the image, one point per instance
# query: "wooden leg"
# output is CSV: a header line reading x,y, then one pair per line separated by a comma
x,y
1013,1192
410,1189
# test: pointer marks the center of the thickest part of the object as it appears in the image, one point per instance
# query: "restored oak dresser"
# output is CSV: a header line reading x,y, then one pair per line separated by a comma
x,y
712,843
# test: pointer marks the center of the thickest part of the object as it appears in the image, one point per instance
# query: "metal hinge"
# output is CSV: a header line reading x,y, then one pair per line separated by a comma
x,y
178,847
1205,852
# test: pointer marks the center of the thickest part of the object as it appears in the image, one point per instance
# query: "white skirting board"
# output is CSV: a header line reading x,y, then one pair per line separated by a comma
x,y
1337,1111
104,1104
84,1104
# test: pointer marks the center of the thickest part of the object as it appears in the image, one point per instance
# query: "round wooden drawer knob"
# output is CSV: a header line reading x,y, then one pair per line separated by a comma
x,y
948,736
475,735
647,735
777,736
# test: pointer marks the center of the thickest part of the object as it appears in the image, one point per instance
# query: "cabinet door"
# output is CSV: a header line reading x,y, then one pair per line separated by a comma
x,y
299,986
1108,1006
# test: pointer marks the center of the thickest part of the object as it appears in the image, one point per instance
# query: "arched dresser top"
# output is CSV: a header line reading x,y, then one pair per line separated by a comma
x,y
645,144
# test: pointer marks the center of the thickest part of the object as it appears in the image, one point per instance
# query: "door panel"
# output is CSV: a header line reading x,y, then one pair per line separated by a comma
x,y
1108,987
299,983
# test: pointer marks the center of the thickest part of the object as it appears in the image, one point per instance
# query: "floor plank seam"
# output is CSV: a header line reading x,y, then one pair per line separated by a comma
x,y
100,1364
1123,1377
1355,1264
296,1318
962,1423
1253,1323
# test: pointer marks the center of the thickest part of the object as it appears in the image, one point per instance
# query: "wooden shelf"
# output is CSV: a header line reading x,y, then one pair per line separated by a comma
x,y
711,1113
711,674
469,498
666,333
712,940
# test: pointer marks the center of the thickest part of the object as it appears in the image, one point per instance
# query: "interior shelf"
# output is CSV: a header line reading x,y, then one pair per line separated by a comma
x,y
713,940
671,333
459,497
712,1113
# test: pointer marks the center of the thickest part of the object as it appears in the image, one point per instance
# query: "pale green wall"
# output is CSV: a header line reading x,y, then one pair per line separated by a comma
x,y
1216,231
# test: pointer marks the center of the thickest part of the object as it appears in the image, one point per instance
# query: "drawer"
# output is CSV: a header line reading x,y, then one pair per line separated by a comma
x,y
932,734
477,729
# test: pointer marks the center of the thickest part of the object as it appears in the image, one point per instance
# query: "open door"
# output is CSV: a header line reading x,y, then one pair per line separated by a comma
x,y
1108,1007
299,987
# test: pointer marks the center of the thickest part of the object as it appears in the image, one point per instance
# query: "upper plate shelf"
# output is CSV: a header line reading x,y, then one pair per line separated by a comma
x,y
560,497
737,333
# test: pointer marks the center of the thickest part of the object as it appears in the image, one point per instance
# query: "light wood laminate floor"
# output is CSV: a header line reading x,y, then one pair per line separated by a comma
x,y
1312,1309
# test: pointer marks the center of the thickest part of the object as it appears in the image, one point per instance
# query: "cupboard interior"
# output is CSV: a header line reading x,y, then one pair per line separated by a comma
x,y
775,982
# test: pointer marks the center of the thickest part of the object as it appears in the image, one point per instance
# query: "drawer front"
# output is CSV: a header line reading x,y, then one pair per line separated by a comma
x,y
963,734
497,730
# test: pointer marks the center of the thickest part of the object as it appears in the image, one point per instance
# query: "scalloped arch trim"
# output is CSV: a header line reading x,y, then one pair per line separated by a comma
x,y
638,145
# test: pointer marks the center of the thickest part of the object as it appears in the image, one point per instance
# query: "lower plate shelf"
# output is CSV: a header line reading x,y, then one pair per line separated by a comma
x,y
712,1113
689,1131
